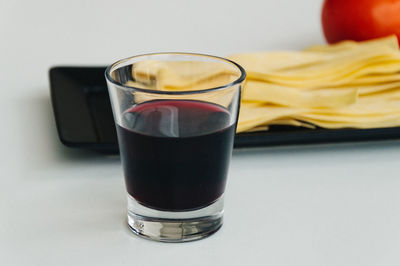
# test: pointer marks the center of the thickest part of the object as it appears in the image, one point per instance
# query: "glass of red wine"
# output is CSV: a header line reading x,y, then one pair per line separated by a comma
x,y
176,116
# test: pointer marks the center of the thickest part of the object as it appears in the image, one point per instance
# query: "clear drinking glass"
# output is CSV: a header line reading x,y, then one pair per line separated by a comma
x,y
176,116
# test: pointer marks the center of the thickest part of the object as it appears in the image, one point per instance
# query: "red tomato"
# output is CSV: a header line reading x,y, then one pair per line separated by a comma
x,y
360,19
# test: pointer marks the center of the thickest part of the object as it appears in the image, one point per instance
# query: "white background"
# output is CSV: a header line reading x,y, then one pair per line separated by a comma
x,y
297,205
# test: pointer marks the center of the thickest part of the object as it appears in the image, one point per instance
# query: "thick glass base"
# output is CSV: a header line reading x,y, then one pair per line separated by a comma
x,y
168,226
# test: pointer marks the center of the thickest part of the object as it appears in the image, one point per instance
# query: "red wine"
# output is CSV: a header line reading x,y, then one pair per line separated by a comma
x,y
176,153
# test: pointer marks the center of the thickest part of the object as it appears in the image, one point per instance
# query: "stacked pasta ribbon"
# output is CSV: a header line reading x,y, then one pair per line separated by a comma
x,y
347,85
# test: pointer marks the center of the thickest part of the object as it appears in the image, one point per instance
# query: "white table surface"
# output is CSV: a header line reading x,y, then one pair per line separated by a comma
x,y
297,205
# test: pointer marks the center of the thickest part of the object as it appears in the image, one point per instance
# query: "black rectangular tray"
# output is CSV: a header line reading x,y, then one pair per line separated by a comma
x,y
84,117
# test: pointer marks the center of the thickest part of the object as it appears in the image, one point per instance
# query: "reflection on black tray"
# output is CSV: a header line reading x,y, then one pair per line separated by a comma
x,y
84,117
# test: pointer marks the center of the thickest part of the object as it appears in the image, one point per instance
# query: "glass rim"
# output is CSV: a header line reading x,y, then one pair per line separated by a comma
x,y
239,80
